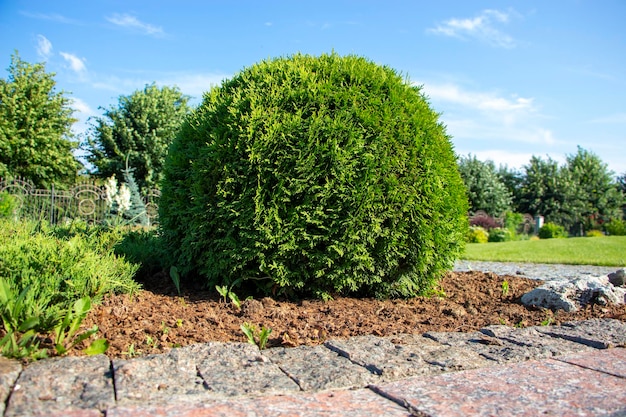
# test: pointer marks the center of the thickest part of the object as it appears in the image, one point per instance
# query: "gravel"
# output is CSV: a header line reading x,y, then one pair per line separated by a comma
x,y
536,271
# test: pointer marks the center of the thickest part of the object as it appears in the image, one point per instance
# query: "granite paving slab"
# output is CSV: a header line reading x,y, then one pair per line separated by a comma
x,y
9,371
612,361
597,333
346,403
316,368
199,372
240,369
63,385
392,361
539,345
547,387
502,345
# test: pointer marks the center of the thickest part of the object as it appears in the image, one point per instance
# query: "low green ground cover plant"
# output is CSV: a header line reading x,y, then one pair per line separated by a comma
x,y
49,277
607,251
314,175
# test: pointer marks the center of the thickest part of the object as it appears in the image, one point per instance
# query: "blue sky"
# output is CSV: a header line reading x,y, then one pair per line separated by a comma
x,y
511,78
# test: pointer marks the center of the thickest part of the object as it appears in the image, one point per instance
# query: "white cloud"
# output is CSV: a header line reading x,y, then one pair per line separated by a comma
x,y
76,64
82,107
478,100
128,21
44,47
54,17
481,27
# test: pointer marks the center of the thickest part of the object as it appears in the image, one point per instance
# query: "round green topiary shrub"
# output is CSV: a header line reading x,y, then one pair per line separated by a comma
x,y
552,230
314,176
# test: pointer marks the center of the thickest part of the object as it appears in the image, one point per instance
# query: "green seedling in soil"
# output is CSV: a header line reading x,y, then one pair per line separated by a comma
x,y
151,342
256,337
505,288
175,276
164,328
131,352
548,321
179,322
66,334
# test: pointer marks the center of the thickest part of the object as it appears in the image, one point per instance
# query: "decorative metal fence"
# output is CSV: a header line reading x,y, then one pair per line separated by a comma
x,y
86,201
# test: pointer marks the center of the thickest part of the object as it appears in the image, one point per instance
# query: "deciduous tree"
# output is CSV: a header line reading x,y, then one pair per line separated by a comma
x,y
139,130
35,121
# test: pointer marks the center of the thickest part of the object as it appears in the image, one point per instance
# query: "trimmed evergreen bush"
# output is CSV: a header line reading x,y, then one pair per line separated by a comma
x,y
551,230
314,175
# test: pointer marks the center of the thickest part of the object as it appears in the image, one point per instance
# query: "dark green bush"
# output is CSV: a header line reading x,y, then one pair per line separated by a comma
x,y
615,227
551,230
314,175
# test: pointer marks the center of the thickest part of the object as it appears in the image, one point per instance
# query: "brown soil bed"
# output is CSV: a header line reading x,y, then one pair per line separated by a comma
x,y
157,318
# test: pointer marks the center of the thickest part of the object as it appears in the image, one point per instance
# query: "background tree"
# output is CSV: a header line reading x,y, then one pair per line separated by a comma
x,y
512,180
599,196
35,122
485,189
141,129
548,190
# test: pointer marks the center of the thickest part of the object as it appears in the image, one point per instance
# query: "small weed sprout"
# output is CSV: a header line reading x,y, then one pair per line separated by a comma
x,y
256,337
505,288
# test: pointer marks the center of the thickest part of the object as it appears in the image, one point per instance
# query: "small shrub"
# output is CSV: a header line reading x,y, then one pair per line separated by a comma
x,y
500,235
59,265
615,227
477,234
551,230
318,175
485,221
594,233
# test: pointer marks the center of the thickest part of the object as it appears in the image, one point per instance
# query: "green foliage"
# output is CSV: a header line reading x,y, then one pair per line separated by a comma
x,y
136,213
500,235
485,189
615,227
315,175
514,222
594,233
512,180
8,205
35,123
66,334
141,128
549,190
477,234
62,264
552,230
19,313
599,197
256,337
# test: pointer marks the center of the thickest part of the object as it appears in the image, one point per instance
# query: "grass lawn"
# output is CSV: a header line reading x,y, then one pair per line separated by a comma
x,y
603,251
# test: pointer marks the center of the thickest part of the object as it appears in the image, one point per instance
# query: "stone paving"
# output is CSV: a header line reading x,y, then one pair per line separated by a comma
x,y
576,369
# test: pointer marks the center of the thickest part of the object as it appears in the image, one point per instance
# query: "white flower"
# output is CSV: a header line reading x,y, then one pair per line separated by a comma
x,y
110,188
123,198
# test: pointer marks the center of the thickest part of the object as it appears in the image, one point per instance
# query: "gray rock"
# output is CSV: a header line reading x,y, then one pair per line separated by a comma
x,y
316,368
618,278
63,385
572,295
